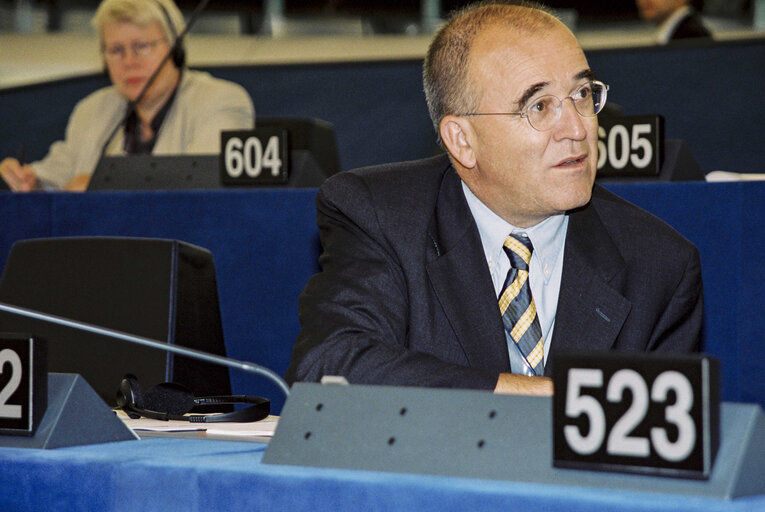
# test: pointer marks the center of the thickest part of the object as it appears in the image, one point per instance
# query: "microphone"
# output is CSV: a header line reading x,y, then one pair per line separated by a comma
x,y
174,49
245,366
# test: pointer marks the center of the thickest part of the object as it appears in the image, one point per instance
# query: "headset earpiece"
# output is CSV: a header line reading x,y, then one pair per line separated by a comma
x,y
179,56
129,396
179,52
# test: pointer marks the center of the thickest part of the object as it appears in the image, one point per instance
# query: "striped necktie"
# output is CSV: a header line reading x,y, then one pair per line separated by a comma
x,y
519,314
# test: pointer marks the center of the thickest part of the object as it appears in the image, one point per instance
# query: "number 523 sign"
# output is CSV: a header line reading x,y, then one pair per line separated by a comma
x,y
636,413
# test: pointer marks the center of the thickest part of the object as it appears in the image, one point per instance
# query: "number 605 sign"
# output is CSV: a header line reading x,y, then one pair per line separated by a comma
x,y
629,145
639,413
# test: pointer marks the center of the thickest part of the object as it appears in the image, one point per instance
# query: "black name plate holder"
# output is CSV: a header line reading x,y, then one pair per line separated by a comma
x,y
476,434
636,413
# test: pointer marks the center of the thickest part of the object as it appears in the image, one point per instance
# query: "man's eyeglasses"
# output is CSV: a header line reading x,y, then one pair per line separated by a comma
x,y
140,49
544,112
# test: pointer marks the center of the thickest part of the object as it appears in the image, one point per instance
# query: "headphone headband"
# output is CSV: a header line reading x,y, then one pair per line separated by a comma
x,y
179,53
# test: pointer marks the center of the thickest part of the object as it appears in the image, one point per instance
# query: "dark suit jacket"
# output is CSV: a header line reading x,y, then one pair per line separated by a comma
x,y
690,27
405,296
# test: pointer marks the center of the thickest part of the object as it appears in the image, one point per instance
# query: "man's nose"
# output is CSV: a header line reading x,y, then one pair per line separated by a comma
x,y
570,125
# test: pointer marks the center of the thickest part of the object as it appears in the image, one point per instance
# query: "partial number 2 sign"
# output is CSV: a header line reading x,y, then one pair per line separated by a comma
x,y
23,384
629,145
251,157
631,412
10,363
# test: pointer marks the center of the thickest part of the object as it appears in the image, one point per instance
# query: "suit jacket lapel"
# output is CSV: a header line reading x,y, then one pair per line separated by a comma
x,y
461,280
590,311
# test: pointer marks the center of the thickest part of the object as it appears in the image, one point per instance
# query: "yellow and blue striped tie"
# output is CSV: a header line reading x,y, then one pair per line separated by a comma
x,y
519,314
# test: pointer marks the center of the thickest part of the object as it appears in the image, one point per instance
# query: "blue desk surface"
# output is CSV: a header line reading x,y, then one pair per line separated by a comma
x,y
184,474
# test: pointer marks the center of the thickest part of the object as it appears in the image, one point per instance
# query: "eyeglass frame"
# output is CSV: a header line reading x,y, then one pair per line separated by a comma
x,y
524,112
137,47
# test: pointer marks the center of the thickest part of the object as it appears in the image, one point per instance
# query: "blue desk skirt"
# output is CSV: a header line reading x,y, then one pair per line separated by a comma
x,y
186,474
266,246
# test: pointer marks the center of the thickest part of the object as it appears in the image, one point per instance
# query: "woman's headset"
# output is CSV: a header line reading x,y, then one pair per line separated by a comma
x,y
179,52
171,401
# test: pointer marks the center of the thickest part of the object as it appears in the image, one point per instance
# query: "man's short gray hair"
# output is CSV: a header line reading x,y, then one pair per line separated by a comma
x,y
445,71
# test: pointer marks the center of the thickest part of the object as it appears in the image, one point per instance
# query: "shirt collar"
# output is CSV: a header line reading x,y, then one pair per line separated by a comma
x,y
548,237
666,29
133,143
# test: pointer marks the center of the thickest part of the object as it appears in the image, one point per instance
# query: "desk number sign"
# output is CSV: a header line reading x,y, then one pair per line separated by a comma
x,y
629,146
23,383
254,157
636,413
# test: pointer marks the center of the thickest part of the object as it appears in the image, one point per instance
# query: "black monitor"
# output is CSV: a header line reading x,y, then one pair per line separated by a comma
x,y
164,290
313,158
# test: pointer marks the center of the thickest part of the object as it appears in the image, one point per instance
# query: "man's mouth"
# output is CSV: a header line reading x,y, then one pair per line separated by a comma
x,y
574,160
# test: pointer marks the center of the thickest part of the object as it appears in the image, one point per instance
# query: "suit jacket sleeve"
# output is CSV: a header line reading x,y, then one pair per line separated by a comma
x,y
663,284
630,282
679,326
355,313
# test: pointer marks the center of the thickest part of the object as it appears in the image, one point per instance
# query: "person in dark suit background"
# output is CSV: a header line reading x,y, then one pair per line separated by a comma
x,y
413,260
676,19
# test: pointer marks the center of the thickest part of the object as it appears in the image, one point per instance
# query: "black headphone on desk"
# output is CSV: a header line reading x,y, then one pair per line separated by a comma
x,y
171,401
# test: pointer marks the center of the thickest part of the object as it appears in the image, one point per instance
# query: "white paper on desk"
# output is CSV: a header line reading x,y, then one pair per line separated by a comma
x,y
263,428
149,424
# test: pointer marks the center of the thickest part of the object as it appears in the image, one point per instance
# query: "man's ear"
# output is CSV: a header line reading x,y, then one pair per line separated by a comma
x,y
457,134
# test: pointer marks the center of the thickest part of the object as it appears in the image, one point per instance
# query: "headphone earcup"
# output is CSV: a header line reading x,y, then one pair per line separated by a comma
x,y
179,57
170,398
129,395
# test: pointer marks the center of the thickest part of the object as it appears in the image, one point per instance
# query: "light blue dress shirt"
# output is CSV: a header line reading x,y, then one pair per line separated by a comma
x,y
546,266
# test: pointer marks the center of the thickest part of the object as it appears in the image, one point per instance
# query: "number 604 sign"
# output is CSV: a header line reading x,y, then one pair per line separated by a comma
x,y
254,157
638,413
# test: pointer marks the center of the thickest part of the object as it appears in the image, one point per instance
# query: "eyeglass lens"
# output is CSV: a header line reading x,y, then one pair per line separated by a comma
x,y
139,49
588,100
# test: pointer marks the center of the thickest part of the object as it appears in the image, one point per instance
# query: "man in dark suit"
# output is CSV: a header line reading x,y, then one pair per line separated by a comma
x,y
413,259
676,19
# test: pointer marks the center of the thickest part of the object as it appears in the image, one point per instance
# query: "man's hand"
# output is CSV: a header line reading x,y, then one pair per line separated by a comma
x,y
20,178
512,384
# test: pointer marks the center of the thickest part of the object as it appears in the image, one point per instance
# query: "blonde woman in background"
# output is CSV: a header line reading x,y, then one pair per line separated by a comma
x,y
182,111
